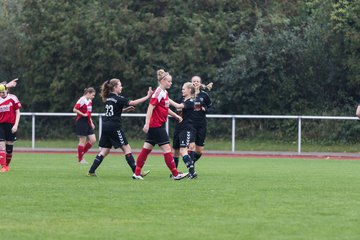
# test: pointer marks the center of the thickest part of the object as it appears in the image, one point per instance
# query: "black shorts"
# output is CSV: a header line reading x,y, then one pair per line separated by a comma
x,y
200,134
183,138
5,132
111,137
83,128
157,136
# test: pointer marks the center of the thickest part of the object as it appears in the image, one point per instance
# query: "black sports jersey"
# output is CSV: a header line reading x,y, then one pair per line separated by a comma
x,y
201,100
113,108
186,113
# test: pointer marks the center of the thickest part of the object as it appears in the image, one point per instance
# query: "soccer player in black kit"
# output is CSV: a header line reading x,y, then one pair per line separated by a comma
x,y
203,105
184,133
112,134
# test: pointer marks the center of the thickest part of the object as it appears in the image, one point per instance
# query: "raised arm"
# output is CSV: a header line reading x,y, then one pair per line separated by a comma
x,y
141,100
12,83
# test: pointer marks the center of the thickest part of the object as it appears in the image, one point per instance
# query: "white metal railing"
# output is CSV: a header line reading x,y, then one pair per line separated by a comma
x,y
233,117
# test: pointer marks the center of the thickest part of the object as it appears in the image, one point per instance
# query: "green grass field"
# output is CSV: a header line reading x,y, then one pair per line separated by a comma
x,y
48,196
217,144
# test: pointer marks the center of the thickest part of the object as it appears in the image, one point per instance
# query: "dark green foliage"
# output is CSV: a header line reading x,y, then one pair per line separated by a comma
x,y
288,65
265,57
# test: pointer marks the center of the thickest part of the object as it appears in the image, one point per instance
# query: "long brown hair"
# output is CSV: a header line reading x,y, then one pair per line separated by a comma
x,y
107,87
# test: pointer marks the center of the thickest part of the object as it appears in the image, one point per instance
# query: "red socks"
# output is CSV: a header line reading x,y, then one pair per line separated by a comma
x,y
87,147
170,163
3,158
80,152
141,160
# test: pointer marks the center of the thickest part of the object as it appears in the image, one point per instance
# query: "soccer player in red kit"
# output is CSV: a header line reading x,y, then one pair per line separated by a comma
x,y
9,122
84,126
156,116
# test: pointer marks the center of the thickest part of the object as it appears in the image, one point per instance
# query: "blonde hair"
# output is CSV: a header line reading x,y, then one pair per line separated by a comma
x,y
161,74
107,87
190,86
207,87
3,87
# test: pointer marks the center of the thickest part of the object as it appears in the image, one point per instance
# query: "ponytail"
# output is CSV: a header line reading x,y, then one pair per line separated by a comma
x,y
207,87
107,87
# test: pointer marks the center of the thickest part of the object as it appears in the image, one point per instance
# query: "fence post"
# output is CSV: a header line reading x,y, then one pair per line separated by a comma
x,y
100,125
167,125
299,135
33,131
233,135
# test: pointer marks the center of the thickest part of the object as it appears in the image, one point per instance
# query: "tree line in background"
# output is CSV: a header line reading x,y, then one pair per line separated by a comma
x,y
264,57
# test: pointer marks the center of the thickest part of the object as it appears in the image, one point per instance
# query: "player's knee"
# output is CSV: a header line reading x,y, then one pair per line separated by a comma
x,y
92,139
192,147
176,152
199,150
166,148
183,151
2,146
126,148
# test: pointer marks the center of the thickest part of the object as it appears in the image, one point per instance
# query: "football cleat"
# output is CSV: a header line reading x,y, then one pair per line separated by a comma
x,y
192,176
180,176
91,174
5,169
172,176
83,161
137,177
144,173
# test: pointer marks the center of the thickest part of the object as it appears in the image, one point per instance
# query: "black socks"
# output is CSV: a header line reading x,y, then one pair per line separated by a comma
x,y
97,161
189,164
176,161
131,161
197,156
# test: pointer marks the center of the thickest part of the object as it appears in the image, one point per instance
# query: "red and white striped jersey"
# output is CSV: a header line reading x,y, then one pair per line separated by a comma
x,y
160,99
8,107
84,105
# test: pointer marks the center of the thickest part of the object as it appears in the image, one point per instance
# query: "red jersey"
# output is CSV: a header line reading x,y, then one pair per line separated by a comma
x,y
8,107
160,99
84,105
